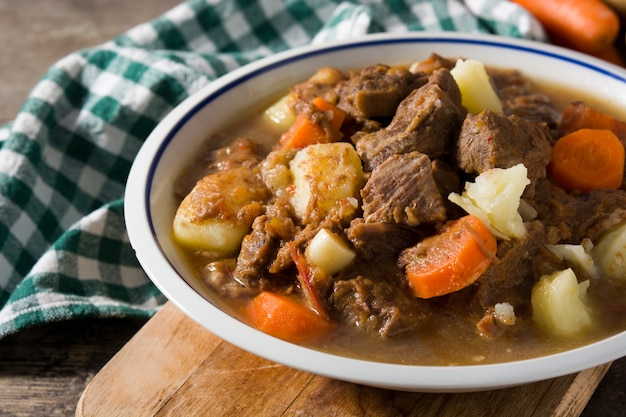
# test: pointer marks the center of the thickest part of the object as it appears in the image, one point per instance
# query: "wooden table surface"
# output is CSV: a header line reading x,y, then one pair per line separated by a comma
x,y
44,370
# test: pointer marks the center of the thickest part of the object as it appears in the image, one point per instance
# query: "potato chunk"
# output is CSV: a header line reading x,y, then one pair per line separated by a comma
x,y
609,253
557,302
219,210
477,93
329,252
494,198
280,113
327,178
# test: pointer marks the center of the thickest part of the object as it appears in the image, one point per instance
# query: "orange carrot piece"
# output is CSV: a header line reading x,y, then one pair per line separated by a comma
x,y
588,159
338,115
450,260
578,116
302,133
588,25
283,317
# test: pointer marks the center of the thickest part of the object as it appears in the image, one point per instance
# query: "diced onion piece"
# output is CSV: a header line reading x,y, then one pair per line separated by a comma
x,y
494,198
609,253
329,252
577,255
280,113
326,176
504,314
477,93
557,303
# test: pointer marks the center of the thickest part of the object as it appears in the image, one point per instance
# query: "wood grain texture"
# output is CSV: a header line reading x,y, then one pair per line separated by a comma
x,y
44,370
174,367
36,33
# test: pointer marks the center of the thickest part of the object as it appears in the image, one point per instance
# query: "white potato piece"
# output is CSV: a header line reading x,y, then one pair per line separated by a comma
x,y
213,235
329,252
327,177
494,198
477,93
219,210
577,255
280,113
609,253
557,303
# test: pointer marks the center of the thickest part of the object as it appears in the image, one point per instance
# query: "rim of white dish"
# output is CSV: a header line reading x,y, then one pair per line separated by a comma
x,y
142,235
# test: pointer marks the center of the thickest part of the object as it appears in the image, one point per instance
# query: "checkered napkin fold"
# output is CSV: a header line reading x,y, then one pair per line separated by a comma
x,y
64,160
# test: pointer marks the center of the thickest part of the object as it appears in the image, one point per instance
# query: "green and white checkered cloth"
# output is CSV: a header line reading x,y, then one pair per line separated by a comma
x,y
64,160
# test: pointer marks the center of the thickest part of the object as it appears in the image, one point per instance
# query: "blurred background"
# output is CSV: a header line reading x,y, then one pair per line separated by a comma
x,y
36,33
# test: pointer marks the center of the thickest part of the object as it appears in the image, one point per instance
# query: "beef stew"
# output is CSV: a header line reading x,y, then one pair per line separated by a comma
x,y
336,221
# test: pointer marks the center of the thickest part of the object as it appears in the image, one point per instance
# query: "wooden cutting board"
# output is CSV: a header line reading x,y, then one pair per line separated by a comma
x,y
174,367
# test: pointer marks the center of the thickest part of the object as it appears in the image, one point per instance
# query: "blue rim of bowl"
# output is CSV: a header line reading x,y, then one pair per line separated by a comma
x,y
492,373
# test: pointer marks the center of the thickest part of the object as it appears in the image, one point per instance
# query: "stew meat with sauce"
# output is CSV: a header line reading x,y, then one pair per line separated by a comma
x,y
360,205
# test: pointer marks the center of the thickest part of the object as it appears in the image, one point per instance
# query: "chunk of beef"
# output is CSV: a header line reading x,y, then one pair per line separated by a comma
x,y
433,63
513,276
402,190
258,250
378,240
448,181
571,217
376,91
494,140
376,306
426,121
515,93
219,275
259,257
508,82
537,107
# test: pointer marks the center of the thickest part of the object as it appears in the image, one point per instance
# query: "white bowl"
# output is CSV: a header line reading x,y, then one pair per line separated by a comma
x,y
150,203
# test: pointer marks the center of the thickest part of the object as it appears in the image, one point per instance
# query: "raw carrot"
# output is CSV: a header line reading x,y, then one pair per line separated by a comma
x,y
578,115
338,115
588,25
284,317
588,159
450,260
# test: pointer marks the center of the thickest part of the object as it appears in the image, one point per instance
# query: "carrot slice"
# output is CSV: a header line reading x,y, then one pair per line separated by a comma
x,y
578,115
338,115
588,25
588,159
283,317
450,260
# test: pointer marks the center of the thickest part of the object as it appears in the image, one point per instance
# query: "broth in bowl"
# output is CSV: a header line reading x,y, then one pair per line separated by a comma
x,y
418,214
